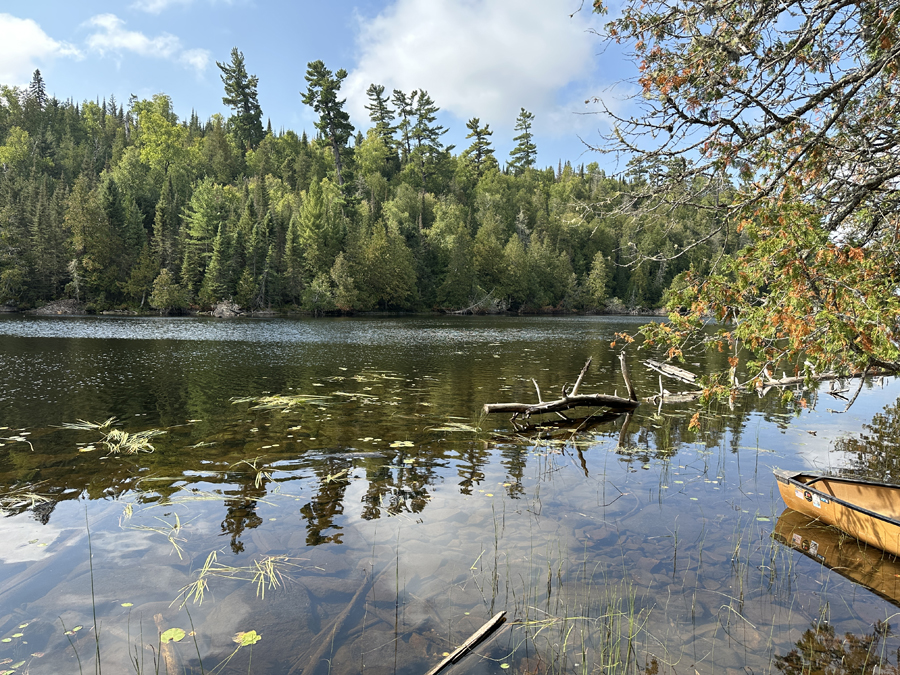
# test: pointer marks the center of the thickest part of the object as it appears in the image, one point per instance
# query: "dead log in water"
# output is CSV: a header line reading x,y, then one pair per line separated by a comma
x,y
569,399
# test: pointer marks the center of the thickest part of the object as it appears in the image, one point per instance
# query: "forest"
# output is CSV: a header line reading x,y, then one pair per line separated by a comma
x,y
127,207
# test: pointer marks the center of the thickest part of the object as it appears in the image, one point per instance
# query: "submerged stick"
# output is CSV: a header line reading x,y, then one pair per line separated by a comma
x,y
168,652
477,638
325,638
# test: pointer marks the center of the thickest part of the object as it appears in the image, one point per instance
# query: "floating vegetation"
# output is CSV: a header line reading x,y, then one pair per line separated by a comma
x,y
269,572
456,426
21,499
171,531
261,476
284,402
118,441
84,425
19,438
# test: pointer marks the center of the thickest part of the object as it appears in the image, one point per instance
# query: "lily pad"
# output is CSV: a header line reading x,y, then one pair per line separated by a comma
x,y
245,639
172,635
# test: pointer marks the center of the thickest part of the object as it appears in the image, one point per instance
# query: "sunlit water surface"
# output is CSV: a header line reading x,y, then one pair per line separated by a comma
x,y
371,519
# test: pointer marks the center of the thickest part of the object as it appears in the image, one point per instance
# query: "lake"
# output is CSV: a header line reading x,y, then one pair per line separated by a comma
x,y
325,496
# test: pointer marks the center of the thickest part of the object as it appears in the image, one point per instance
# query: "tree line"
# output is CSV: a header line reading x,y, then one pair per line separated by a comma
x,y
127,206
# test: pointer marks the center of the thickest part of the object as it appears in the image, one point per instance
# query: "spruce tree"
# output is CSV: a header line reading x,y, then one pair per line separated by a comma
x,y
241,96
322,96
37,92
525,152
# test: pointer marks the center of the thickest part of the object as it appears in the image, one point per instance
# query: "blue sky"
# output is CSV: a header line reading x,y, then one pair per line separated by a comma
x,y
477,58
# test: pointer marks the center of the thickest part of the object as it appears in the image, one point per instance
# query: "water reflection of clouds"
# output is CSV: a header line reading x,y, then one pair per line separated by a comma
x,y
26,540
820,430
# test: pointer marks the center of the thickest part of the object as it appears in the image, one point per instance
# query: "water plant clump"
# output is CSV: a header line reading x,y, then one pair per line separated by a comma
x,y
284,402
118,441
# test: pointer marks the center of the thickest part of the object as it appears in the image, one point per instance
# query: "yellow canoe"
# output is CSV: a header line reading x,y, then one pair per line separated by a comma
x,y
866,510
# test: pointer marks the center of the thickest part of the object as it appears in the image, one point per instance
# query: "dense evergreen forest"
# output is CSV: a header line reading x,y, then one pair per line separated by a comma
x,y
126,206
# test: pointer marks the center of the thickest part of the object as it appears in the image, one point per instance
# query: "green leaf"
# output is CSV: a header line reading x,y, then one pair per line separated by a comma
x,y
172,635
251,637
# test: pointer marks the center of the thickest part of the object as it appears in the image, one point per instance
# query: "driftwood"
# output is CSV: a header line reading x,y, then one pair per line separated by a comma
x,y
477,638
763,386
570,399
674,372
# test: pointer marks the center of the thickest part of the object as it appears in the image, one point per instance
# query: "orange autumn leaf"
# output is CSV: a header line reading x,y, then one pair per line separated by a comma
x,y
695,422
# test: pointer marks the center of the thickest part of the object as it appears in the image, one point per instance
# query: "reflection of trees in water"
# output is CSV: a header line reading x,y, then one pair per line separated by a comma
x,y
328,502
514,461
820,651
240,506
469,467
876,450
396,486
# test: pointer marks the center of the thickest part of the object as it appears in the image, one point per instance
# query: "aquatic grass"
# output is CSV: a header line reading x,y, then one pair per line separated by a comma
x,y
118,441
170,532
283,402
268,572
84,425
261,476
23,497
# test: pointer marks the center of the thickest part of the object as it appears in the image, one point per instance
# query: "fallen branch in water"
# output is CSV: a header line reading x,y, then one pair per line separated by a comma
x,y
477,638
763,386
570,399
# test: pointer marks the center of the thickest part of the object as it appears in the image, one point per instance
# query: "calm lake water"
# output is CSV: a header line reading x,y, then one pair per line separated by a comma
x,y
332,485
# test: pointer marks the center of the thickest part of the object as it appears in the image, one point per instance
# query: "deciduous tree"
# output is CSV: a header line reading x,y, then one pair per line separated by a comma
x,y
797,104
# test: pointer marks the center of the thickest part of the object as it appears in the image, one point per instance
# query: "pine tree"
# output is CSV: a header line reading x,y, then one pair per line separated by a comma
x,y
480,153
380,114
525,152
241,96
322,96
405,110
427,135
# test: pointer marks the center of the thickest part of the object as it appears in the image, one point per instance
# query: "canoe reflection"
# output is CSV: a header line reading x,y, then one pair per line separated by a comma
x,y
866,565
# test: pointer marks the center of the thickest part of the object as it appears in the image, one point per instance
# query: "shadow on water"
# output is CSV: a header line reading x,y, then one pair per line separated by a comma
x,y
332,486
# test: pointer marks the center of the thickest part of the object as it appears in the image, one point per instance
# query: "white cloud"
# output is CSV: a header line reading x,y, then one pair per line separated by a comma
x,y
159,6
479,58
23,46
112,37
198,59
156,6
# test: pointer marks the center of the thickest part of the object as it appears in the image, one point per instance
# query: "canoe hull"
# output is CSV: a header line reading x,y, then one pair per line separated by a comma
x,y
864,510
